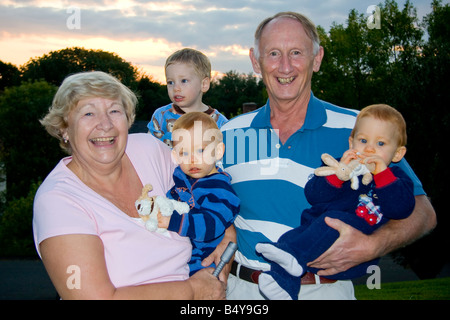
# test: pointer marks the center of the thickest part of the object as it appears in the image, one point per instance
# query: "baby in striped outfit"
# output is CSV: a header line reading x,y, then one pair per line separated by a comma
x,y
197,146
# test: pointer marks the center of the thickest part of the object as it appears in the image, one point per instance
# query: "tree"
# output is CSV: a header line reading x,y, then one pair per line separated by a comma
x,y
429,120
343,75
362,66
9,75
228,93
16,235
56,65
152,95
28,152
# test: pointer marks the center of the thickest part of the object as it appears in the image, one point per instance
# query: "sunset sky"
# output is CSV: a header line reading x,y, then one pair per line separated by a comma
x,y
144,33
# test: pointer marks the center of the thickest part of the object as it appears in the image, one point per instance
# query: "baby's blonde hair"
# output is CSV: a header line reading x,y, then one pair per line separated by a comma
x,y
188,120
386,113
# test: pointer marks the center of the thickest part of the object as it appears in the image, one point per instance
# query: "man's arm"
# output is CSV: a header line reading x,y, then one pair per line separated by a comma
x,y
354,247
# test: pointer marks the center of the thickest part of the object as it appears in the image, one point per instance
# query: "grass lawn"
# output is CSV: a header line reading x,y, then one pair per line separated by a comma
x,y
434,289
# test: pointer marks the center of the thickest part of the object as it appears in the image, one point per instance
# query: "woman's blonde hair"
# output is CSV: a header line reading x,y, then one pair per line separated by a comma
x,y
80,86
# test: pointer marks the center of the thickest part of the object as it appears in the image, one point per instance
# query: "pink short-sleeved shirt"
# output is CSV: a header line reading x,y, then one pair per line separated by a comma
x,y
65,205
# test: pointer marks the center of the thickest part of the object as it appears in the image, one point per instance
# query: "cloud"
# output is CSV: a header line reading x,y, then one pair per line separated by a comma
x,y
147,31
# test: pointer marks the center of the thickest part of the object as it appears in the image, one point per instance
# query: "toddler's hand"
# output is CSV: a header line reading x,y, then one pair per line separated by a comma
x,y
163,222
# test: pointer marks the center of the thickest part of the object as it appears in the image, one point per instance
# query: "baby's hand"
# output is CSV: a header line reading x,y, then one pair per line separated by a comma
x,y
163,222
380,165
349,155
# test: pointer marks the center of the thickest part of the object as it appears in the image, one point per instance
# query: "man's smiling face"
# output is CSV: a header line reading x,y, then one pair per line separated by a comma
x,y
287,59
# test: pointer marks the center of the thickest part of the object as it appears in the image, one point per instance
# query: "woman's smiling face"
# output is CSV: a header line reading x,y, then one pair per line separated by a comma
x,y
97,131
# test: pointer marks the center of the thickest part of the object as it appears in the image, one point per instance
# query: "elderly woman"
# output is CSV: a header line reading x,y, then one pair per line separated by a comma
x,y
86,228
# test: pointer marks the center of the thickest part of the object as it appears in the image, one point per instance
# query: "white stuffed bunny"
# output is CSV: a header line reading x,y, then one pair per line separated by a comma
x,y
346,172
148,208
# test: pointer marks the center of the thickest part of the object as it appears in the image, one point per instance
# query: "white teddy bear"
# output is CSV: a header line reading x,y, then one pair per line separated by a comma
x,y
148,208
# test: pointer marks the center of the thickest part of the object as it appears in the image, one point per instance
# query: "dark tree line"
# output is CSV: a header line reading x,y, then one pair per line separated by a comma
x,y
404,63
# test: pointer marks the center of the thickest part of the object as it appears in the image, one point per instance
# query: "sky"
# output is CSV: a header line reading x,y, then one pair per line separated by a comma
x,y
145,33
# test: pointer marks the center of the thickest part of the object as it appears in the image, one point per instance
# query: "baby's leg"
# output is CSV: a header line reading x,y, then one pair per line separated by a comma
x,y
274,253
277,284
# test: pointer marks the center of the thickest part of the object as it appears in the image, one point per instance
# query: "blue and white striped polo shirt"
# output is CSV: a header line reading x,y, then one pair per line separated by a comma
x,y
269,177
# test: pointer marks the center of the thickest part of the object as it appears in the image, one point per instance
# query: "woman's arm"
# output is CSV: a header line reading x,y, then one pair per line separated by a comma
x,y
77,268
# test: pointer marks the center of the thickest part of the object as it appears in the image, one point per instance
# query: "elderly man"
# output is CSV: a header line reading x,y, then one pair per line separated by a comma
x,y
271,152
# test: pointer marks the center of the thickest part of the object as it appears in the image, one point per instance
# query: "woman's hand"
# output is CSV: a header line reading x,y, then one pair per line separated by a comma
x,y
205,286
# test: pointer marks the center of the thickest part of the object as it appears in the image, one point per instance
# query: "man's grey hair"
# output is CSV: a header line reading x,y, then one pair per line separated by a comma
x,y
307,24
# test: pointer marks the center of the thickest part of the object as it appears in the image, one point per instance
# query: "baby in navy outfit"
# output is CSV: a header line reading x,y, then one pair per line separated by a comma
x,y
379,137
